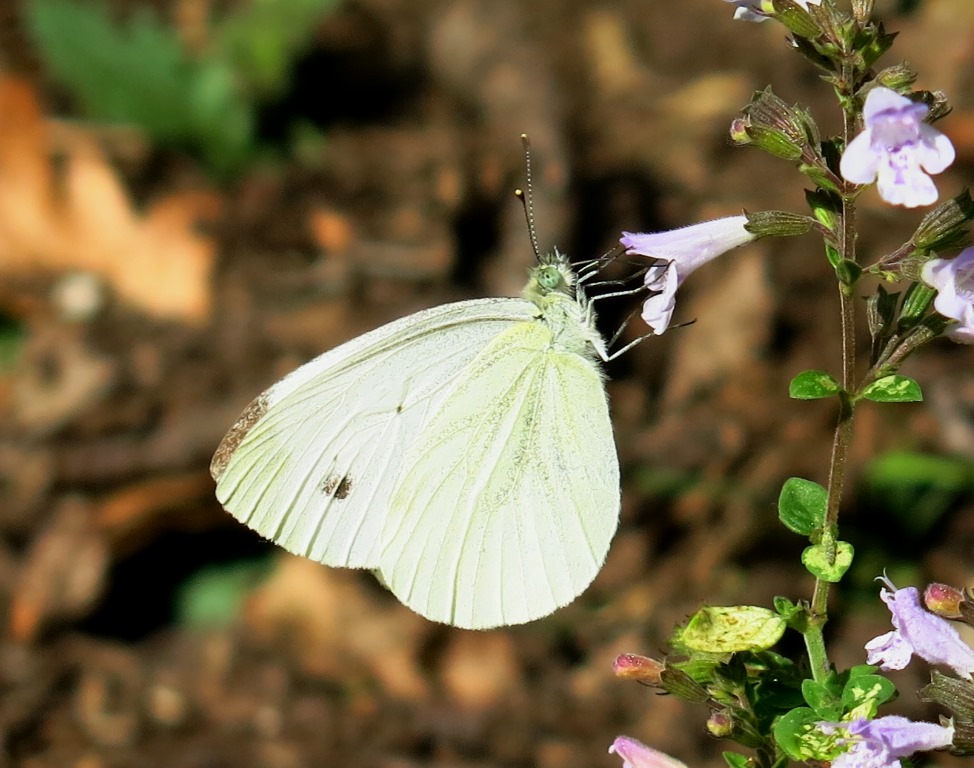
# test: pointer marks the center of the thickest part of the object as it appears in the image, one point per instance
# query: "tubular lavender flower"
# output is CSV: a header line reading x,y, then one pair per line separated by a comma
x,y
880,743
635,754
760,10
954,281
917,631
684,250
897,148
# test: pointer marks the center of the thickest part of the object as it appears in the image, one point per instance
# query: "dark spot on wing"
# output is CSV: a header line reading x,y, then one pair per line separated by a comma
x,y
336,486
228,446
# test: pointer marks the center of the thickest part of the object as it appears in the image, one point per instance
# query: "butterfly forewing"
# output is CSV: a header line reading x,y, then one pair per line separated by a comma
x,y
313,463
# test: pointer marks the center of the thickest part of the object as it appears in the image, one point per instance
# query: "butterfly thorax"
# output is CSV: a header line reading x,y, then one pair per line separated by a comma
x,y
553,287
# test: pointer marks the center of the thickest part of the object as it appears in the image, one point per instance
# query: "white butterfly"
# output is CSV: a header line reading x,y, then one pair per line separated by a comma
x,y
464,453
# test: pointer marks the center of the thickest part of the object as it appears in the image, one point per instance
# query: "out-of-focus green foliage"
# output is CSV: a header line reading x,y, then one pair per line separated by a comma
x,y
11,340
917,489
138,71
259,41
214,596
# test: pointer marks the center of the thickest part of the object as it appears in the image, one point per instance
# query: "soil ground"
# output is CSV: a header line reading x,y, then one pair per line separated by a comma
x,y
145,627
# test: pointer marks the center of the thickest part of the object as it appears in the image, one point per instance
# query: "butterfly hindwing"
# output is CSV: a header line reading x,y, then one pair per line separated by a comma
x,y
510,497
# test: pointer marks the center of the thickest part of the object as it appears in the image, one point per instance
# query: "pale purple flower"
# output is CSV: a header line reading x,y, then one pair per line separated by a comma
x,y
883,741
880,743
917,631
635,754
682,250
898,148
759,10
954,281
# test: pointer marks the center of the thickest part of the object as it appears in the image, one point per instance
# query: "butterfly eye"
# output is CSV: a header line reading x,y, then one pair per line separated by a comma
x,y
550,278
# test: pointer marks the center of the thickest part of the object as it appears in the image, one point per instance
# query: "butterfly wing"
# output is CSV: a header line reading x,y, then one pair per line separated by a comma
x,y
509,500
312,462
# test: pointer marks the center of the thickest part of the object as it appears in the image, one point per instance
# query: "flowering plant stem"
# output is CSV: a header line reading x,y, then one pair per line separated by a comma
x,y
814,640
784,709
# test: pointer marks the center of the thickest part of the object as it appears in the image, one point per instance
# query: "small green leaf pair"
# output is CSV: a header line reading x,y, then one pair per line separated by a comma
x,y
814,385
801,507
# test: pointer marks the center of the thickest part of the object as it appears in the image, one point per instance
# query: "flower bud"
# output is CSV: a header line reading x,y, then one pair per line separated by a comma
x,y
631,666
945,226
738,132
779,129
862,10
943,600
720,724
898,78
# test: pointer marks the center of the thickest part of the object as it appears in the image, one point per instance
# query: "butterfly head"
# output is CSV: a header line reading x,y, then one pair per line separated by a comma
x,y
551,280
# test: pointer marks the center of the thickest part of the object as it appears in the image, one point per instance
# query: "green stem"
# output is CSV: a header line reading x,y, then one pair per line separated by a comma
x,y
818,613
814,641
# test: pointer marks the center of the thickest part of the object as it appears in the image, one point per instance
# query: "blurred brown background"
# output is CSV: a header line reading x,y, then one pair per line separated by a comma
x,y
195,197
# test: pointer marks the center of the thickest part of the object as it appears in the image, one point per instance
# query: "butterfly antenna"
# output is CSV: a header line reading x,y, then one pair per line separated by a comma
x,y
526,196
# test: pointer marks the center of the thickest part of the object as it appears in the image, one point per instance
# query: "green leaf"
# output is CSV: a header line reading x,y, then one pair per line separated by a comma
x,y
790,730
815,559
731,629
875,46
699,669
813,385
801,505
794,615
833,254
893,389
848,271
785,608
775,691
819,175
736,759
860,670
865,693
826,207
820,697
